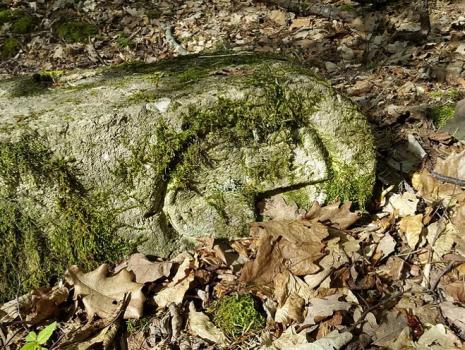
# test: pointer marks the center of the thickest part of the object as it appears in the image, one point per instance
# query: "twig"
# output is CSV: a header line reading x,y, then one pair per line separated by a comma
x,y
242,53
172,41
449,267
5,346
448,179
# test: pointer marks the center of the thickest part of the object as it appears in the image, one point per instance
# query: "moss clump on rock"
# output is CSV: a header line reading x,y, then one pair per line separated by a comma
x,y
440,115
74,31
238,314
36,248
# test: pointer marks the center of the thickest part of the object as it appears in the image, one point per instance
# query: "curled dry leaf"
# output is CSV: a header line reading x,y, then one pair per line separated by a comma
x,y
412,227
392,269
282,246
201,326
431,189
438,337
386,246
175,290
11,309
101,294
389,329
286,284
335,215
455,291
441,236
452,166
289,339
333,341
146,270
404,204
335,259
46,303
278,208
291,311
104,339
454,314
321,308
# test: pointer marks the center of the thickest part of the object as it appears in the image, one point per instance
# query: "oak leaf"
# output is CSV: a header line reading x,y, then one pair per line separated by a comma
x,y
335,215
292,246
146,270
175,290
101,293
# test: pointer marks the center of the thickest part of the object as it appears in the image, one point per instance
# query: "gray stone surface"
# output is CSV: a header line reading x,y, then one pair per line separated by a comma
x,y
456,126
294,134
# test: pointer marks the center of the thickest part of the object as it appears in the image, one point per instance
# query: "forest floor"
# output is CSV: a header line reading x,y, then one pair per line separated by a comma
x,y
390,277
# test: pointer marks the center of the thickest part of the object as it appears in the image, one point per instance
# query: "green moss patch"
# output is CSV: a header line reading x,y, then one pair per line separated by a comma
x,y
346,185
123,41
236,315
440,115
74,31
36,246
10,47
21,22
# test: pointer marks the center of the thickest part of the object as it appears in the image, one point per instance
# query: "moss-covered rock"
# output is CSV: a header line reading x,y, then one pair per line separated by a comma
x,y
78,228
170,151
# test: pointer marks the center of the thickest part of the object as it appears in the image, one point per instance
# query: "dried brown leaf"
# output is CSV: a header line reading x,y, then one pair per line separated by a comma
x,y
175,290
291,311
284,246
101,294
146,270
200,325
46,303
321,308
278,208
412,227
335,215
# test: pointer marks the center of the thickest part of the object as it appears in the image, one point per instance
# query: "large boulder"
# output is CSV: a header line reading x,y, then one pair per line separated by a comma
x,y
158,154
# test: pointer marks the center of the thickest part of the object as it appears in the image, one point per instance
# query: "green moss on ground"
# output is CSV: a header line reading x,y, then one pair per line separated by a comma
x,y
237,314
123,41
37,248
451,94
6,16
74,31
440,115
10,47
21,22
